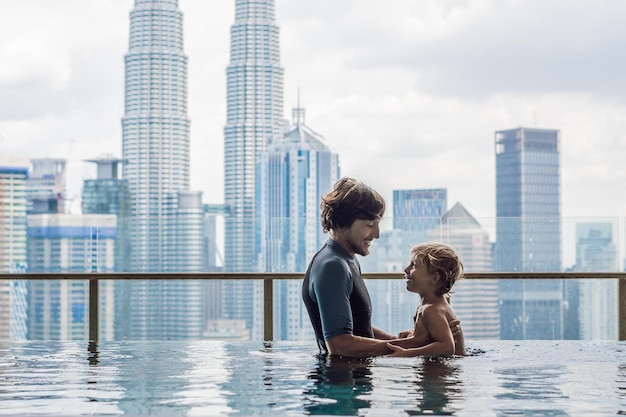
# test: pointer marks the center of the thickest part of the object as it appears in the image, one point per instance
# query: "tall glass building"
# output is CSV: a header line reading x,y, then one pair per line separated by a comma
x,y
155,126
475,301
528,232
296,171
13,177
109,194
415,212
45,187
597,305
419,210
59,309
254,114
155,150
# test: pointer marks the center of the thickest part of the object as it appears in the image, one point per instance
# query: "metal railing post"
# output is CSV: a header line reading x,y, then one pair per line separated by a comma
x,y
93,309
268,309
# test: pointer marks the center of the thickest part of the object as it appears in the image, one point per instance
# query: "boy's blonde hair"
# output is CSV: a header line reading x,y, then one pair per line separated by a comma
x,y
441,260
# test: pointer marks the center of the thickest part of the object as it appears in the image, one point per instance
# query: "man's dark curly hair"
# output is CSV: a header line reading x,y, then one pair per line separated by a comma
x,y
350,200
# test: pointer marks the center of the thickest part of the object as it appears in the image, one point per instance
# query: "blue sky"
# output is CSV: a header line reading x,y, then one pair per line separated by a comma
x,y
409,93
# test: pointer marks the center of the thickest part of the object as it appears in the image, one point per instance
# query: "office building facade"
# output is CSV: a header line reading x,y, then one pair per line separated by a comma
x,y
13,240
155,126
109,194
596,311
417,211
254,114
474,301
393,307
528,232
46,186
296,171
57,243
155,151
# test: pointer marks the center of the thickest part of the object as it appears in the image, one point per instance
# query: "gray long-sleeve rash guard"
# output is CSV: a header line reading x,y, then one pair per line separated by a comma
x,y
335,295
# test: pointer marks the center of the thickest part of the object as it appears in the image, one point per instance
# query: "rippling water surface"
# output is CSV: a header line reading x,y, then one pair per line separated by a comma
x,y
208,378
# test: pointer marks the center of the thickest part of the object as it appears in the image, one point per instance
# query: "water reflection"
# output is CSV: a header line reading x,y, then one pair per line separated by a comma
x,y
268,367
540,385
205,371
151,377
338,387
58,378
436,383
92,357
92,372
620,386
209,378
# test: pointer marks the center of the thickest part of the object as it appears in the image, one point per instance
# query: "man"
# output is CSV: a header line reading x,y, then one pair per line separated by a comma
x,y
333,290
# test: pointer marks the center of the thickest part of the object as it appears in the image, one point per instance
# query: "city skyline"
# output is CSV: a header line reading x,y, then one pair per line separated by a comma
x,y
167,213
378,108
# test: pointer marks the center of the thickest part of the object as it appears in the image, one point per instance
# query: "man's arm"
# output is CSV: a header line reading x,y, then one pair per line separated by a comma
x,y
356,346
405,333
382,335
363,347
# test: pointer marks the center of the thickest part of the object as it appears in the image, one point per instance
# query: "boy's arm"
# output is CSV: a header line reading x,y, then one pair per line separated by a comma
x,y
360,347
439,329
410,341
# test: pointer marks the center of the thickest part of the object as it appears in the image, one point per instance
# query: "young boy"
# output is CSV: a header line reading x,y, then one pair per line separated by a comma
x,y
433,270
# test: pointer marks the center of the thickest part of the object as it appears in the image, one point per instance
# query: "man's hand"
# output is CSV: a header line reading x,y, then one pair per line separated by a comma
x,y
455,326
397,351
405,334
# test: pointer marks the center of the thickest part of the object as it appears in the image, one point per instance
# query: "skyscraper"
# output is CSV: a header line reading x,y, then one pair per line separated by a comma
x,y
392,305
59,309
415,212
254,114
528,231
155,126
475,301
597,306
45,187
419,210
155,150
213,262
13,177
109,194
295,171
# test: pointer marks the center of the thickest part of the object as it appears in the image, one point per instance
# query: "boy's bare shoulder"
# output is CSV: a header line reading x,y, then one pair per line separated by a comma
x,y
440,307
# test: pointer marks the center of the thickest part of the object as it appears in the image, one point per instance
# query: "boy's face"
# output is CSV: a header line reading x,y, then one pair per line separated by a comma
x,y
418,278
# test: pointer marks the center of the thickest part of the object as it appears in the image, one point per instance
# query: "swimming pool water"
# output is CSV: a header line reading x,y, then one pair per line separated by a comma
x,y
209,378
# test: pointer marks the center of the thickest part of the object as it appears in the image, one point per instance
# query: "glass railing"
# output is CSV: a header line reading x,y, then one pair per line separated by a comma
x,y
482,313
539,279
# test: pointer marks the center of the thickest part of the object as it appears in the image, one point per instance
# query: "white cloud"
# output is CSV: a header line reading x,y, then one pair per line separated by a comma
x,y
409,93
